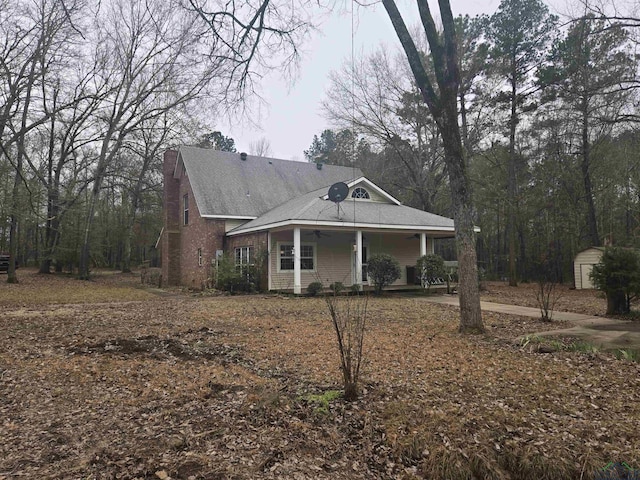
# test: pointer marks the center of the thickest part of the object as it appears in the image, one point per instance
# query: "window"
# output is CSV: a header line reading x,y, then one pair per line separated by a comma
x,y
185,202
360,192
286,255
244,257
199,257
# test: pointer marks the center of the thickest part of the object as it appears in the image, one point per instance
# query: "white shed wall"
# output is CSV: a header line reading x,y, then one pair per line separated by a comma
x,y
582,266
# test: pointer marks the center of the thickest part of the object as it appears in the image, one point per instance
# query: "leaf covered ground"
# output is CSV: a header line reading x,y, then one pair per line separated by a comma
x,y
103,379
567,299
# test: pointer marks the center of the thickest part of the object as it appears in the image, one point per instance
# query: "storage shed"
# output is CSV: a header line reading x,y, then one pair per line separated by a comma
x,y
583,264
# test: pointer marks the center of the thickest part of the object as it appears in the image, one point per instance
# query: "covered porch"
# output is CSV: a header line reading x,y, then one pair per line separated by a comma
x,y
300,255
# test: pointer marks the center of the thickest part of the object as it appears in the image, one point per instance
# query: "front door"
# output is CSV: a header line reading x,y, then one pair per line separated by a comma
x,y
364,277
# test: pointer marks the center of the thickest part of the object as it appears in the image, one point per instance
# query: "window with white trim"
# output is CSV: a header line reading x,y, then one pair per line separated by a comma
x,y
360,192
286,256
244,257
185,210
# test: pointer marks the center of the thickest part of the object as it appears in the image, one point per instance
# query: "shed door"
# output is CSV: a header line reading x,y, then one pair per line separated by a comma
x,y
585,270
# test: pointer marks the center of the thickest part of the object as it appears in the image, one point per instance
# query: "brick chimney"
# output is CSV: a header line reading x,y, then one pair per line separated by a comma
x,y
171,221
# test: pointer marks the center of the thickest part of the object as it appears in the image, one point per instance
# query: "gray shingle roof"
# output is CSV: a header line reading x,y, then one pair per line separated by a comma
x,y
225,185
311,209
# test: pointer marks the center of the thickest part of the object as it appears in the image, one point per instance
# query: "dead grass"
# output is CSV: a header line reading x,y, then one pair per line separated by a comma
x,y
197,387
587,302
39,289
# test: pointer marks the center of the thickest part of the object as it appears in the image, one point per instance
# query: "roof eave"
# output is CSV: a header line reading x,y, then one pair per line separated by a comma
x,y
351,225
229,217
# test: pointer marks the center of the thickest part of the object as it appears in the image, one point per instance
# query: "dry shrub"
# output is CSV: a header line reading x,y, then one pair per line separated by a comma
x,y
151,276
348,316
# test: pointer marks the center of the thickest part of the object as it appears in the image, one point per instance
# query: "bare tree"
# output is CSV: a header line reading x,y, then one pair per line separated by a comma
x,y
375,97
442,103
31,36
249,38
57,165
147,57
349,318
612,13
140,170
260,147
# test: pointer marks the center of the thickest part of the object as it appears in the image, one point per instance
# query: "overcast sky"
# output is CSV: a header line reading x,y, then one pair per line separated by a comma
x,y
293,114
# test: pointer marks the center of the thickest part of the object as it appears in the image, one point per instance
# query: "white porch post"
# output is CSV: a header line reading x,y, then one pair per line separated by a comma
x,y
269,260
430,249
297,278
423,244
358,257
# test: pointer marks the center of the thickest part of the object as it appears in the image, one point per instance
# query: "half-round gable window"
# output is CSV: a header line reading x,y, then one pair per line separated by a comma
x,y
360,192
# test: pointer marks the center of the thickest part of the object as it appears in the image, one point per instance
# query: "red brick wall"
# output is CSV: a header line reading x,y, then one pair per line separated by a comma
x,y
170,242
256,240
200,233
180,243
260,243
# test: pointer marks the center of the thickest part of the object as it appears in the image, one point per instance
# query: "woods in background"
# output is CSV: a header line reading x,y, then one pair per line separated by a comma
x,y
549,120
91,93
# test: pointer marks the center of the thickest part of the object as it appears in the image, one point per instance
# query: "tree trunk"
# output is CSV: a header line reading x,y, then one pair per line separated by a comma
x,y
524,267
616,303
51,232
511,185
443,106
592,224
463,213
465,125
107,153
12,277
350,391
83,267
126,254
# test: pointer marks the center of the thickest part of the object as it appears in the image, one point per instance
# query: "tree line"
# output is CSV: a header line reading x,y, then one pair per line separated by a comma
x,y
92,93
548,114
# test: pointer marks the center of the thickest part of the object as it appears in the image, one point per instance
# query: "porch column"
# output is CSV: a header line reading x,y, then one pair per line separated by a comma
x,y
358,257
423,244
297,279
269,260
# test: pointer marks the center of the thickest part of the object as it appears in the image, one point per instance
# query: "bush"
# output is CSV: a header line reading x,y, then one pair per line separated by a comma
x,y
618,276
314,288
429,267
233,279
383,269
336,287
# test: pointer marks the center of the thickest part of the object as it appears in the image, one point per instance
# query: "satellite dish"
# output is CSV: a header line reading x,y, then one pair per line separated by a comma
x,y
338,192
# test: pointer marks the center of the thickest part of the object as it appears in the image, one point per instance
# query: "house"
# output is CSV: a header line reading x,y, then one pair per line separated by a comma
x,y
236,204
583,265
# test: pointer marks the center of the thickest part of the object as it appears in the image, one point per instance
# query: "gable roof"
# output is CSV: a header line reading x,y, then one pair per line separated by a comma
x,y
315,210
369,184
224,186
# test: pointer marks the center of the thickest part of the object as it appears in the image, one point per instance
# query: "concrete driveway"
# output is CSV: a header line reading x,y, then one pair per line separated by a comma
x,y
608,333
